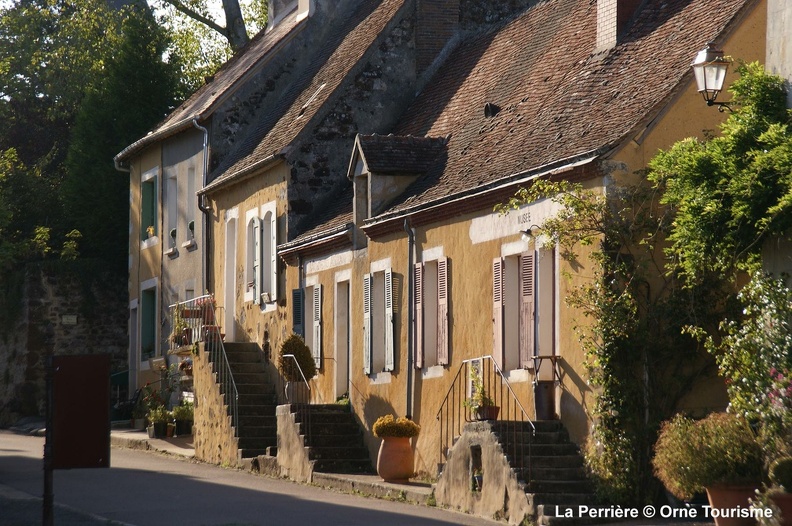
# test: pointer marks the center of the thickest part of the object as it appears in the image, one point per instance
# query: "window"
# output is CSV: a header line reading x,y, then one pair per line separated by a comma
x,y
307,317
261,265
148,205
148,323
524,298
378,339
430,312
172,200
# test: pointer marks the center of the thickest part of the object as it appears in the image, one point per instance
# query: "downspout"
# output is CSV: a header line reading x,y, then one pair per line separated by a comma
x,y
410,302
202,207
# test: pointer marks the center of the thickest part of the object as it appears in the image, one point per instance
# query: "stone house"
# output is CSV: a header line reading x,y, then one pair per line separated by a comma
x,y
358,208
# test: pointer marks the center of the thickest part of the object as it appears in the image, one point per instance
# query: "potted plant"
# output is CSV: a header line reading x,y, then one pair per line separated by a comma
x,y
780,493
158,418
719,455
395,458
207,305
184,415
180,335
480,404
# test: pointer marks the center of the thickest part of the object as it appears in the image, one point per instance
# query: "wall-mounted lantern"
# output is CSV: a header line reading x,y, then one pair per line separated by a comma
x,y
709,68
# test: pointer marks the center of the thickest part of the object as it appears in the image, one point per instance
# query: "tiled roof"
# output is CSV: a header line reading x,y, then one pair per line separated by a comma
x,y
334,216
359,33
399,154
201,103
557,99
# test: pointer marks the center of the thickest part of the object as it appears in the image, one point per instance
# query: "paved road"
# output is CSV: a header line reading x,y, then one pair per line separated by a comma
x,y
151,489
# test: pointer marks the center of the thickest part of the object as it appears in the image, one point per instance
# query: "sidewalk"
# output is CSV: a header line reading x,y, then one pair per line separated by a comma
x,y
139,439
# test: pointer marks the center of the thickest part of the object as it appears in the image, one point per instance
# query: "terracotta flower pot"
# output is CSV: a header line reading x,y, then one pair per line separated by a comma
x,y
730,498
784,502
487,412
395,459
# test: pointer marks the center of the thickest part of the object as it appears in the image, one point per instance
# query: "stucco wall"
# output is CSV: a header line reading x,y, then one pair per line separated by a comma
x,y
779,45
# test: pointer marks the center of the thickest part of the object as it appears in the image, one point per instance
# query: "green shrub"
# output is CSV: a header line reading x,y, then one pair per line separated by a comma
x,y
781,473
159,415
183,412
295,346
692,455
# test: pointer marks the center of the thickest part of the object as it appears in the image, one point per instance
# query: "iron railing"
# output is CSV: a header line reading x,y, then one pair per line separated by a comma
x,y
510,422
299,396
195,321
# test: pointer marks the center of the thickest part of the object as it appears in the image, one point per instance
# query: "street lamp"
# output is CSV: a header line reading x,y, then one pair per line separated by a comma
x,y
709,68
528,235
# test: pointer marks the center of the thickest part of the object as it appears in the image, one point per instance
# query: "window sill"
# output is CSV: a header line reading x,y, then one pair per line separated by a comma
x,y
190,245
380,378
149,242
434,371
172,252
517,376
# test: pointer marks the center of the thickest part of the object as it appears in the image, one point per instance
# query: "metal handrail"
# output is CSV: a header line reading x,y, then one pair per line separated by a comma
x,y
198,322
509,423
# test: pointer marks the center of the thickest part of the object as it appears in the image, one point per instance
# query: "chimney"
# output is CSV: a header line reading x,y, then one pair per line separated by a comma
x,y
278,9
437,21
612,19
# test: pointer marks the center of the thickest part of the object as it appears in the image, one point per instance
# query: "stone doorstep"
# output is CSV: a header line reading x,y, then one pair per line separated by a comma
x,y
134,439
374,486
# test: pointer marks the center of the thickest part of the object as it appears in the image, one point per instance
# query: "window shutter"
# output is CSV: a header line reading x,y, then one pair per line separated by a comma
x,y
273,278
418,316
527,309
497,311
317,325
367,324
298,296
442,311
256,248
389,358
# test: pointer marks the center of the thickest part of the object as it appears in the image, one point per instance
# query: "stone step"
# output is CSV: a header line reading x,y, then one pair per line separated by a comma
x,y
325,418
554,461
566,499
559,486
238,368
257,431
244,356
538,426
554,473
252,452
338,453
257,399
545,450
319,428
343,466
257,442
254,388
528,437
335,440
250,418
258,378
241,347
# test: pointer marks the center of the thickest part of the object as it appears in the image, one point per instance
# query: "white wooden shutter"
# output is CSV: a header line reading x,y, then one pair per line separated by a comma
x,y
389,358
442,311
527,309
317,325
418,316
497,311
367,324
298,306
273,278
257,245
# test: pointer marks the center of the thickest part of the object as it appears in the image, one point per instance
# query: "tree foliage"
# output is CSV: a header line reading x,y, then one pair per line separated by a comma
x,y
96,195
730,193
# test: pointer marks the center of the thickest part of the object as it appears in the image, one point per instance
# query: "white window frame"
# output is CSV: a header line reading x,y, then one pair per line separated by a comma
x,y
149,177
252,283
378,321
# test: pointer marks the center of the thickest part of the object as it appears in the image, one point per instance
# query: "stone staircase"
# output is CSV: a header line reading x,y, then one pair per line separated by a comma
x,y
552,469
256,428
333,439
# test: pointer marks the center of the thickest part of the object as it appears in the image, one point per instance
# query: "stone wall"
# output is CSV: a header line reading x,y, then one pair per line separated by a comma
x,y
213,435
57,309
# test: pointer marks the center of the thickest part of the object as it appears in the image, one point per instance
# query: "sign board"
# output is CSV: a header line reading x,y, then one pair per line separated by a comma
x,y
69,319
80,416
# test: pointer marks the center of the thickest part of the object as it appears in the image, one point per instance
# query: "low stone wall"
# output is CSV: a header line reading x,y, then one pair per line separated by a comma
x,y
213,434
292,456
501,496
